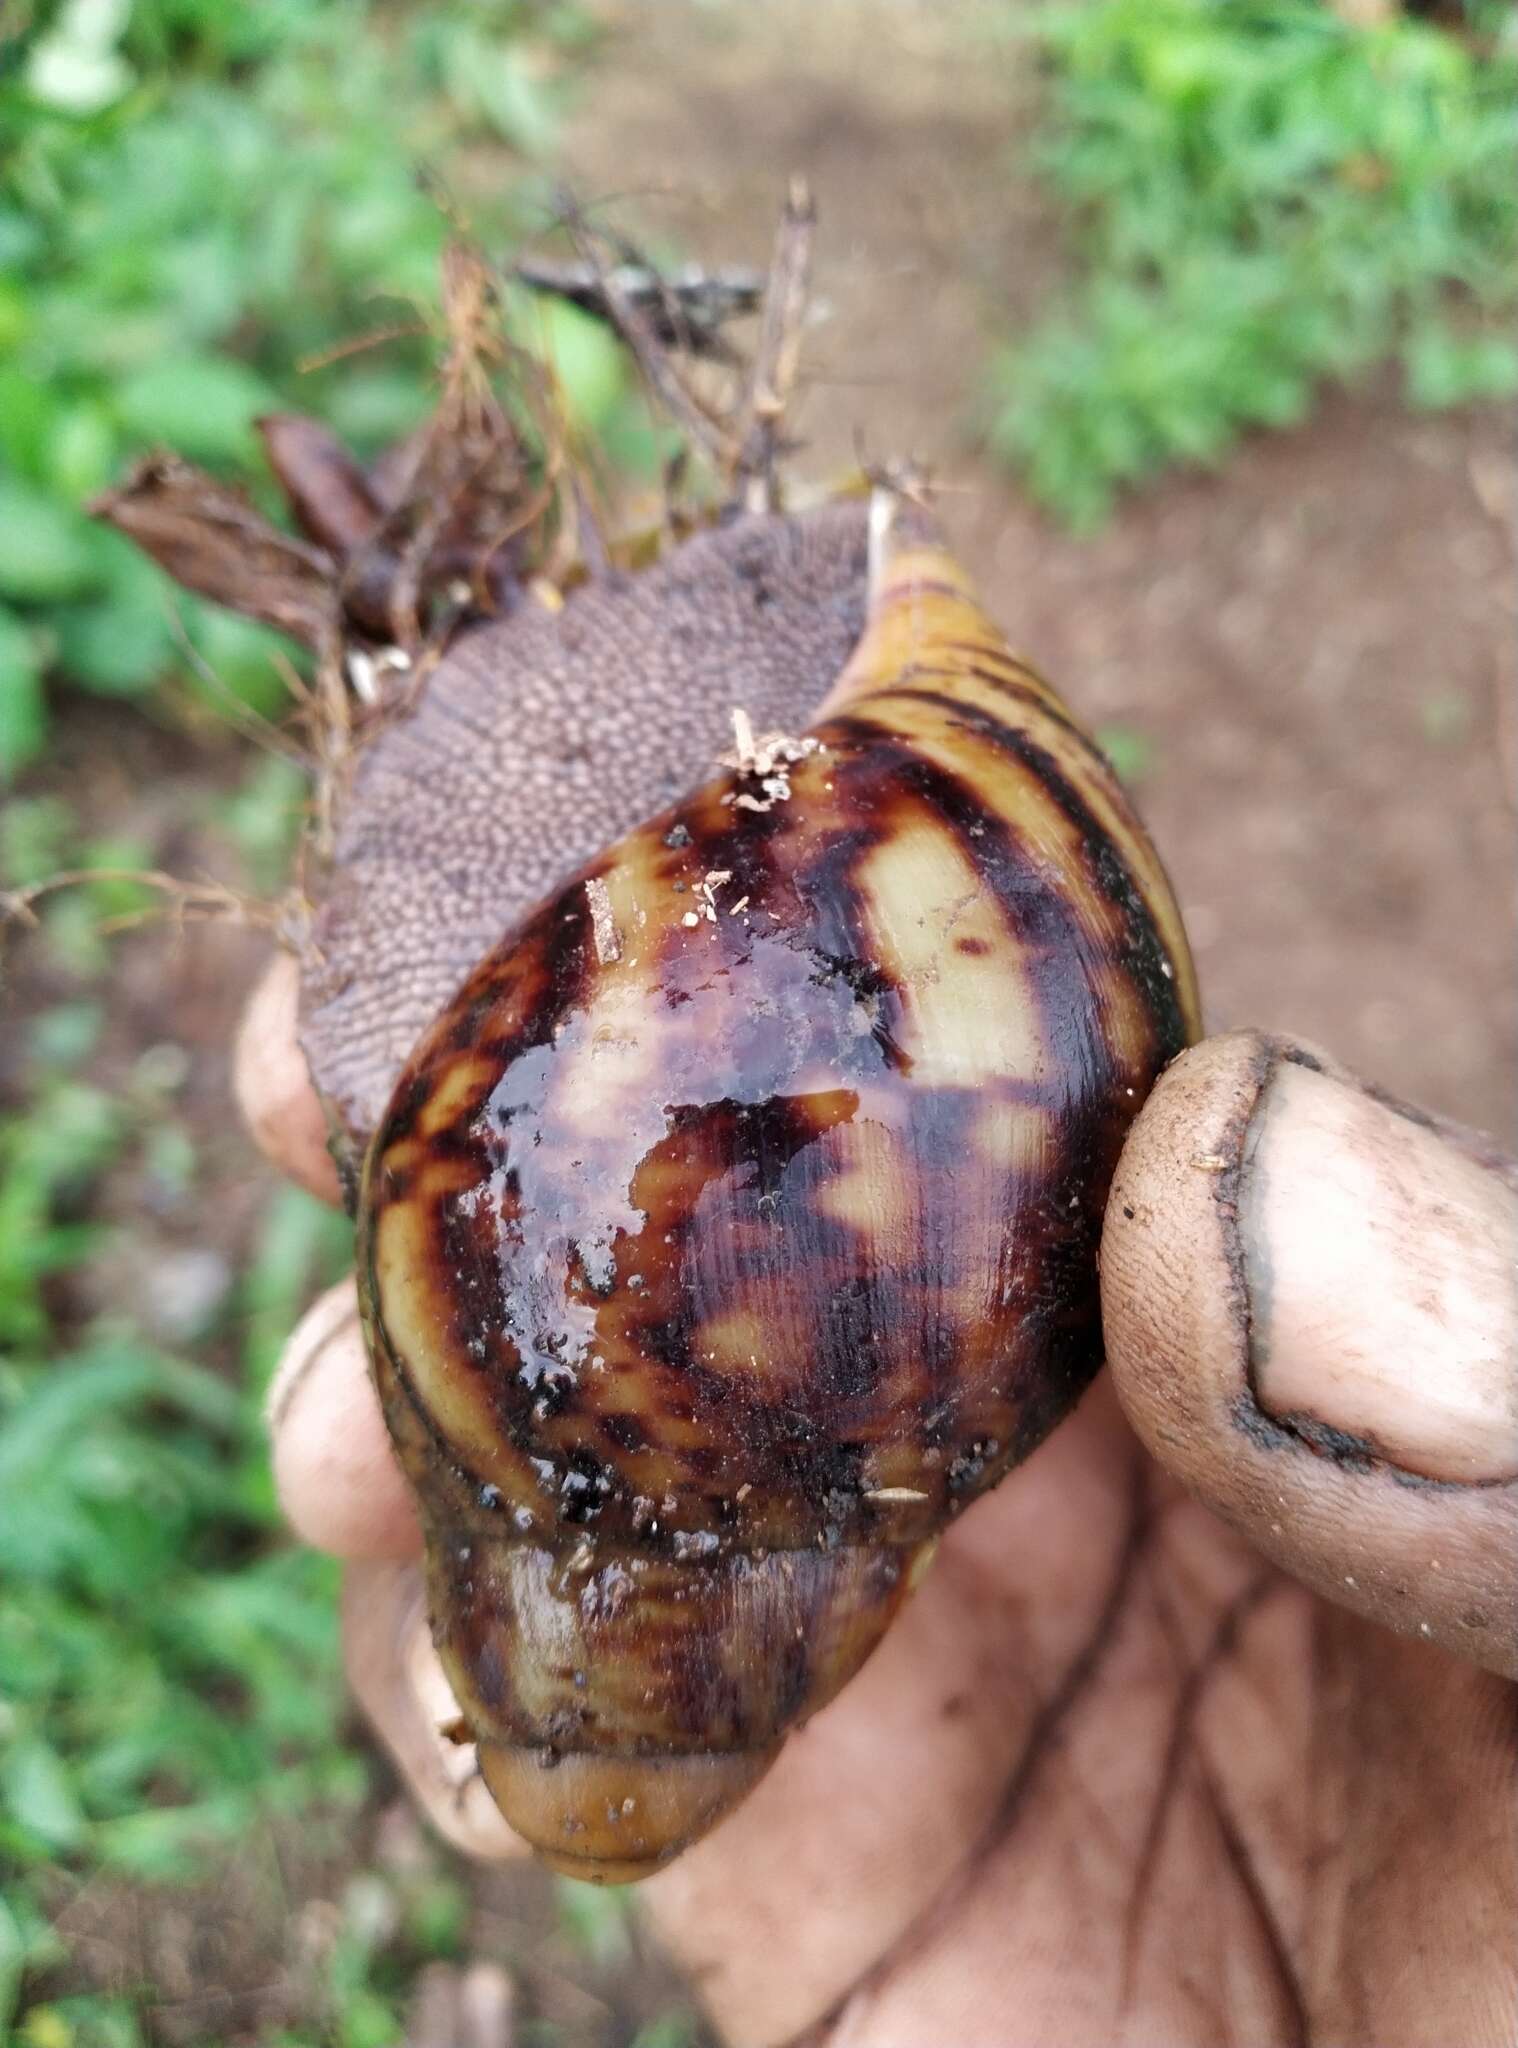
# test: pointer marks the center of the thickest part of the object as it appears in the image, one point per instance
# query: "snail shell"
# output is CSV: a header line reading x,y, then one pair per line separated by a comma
x,y
736,1224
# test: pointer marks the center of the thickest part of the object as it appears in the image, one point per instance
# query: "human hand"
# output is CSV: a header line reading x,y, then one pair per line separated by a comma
x,y
1134,1765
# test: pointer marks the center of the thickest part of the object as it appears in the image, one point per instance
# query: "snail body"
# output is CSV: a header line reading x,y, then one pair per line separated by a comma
x,y
735,1225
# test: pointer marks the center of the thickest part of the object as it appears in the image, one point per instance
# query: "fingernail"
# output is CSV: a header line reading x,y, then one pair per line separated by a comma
x,y
1381,1263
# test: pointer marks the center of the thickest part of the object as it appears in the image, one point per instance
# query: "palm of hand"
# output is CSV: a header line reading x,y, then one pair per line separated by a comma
x,y
1112,1779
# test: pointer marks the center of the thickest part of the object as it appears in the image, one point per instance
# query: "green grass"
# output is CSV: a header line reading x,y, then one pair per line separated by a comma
x,y
1262,198
168,1675
169,1683
196,198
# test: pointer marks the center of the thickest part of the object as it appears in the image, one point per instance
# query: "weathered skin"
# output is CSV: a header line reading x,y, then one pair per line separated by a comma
x,y
711,1263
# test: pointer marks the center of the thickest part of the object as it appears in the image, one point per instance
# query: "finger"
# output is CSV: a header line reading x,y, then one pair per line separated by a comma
x,y
1310,1295
334,1470
274,1088
462,2005
396,1678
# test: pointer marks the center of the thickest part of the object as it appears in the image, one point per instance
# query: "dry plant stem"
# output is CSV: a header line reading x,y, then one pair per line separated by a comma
x,y
466,490
689,308
187,900
251,724
678,322
650,318
328,716
653,359
323,358
778,356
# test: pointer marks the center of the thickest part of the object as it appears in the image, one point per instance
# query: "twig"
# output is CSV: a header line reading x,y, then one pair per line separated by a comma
x,y
778,355
189,899
339,351
686,309
639,333
250,723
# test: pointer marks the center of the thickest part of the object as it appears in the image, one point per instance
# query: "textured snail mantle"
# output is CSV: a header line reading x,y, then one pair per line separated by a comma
x,y
736,1223
730,1223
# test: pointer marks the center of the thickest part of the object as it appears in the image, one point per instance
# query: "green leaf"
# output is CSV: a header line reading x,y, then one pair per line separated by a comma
x,y
13,317
238,662
1131,752
301,1242
69,1402
437,1915
65,1034
668,2030
13,1960
36,1792
75,69
585,357
34,837
114,647
29,417
514,99
263,818
597,1921
23,714
165,1843
1263,198
369,408
367,2021
1446,368
203,407
81,450
88,2021
114,892
46,549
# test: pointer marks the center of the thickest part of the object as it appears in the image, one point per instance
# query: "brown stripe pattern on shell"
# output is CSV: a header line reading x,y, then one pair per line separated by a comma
x,y
737,1223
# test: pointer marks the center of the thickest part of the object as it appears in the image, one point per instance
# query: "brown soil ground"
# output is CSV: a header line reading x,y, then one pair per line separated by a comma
x,y
1316,646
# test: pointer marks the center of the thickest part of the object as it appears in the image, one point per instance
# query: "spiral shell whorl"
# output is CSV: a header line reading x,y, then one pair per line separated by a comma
x,y
736,1225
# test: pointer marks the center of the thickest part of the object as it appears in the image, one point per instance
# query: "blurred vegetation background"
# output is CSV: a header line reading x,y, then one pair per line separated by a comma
x,y
195,200
198,202
202,206
1263,196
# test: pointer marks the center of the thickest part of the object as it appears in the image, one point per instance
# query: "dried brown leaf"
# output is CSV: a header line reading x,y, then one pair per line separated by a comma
x,y
329,491
213,541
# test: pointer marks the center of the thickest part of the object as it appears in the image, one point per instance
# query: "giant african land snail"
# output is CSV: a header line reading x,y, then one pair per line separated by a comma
x,y
741,1132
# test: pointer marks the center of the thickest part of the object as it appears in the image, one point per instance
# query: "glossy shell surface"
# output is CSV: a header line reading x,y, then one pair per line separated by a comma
x,y
737,1223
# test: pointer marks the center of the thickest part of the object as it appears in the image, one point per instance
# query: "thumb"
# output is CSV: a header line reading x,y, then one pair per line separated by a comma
x,y
1310,1295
